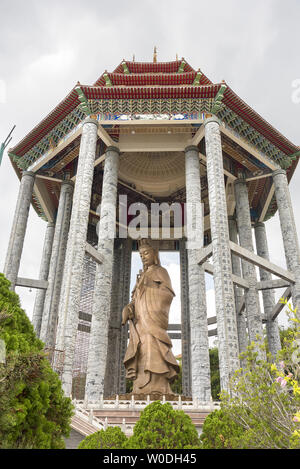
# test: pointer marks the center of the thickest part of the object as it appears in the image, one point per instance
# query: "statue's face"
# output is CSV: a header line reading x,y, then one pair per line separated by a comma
x,y
148,256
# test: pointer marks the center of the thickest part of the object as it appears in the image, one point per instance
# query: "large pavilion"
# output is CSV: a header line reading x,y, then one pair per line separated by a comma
x,y
153,132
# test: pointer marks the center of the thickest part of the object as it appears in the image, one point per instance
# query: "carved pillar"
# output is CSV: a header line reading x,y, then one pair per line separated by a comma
x,y
224,292
254,319
127,244
72,279
268,295
103,280
185,321
238,292
200,368
44,271
288,230
16,241
49,321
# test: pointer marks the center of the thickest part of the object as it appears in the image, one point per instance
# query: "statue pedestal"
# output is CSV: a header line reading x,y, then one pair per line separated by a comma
x,y
124,411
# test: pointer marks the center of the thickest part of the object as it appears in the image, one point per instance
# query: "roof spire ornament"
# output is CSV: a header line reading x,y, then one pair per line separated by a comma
x,y
155,55
5,143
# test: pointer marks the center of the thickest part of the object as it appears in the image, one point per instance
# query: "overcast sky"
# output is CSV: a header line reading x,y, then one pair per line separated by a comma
x,y
47,46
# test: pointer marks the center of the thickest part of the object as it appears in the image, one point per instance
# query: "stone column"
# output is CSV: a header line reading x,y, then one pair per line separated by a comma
x,y
288,230
72,278
254,318
199,347
125,300
268,295
49,321
114,328
115,382
238,292
44,271
103,280
224,292
185,321
16,241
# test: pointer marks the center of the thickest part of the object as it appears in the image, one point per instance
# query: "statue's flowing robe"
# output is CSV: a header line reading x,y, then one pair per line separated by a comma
x,y
149,350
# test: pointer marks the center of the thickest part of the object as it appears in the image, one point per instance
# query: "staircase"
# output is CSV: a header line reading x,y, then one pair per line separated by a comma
x,y
92,417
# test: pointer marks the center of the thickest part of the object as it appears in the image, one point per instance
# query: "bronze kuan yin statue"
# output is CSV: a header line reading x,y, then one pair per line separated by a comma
x,y
149,360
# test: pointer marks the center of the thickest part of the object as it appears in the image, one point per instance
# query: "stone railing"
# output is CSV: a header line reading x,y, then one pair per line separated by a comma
x,y
88,416
140,404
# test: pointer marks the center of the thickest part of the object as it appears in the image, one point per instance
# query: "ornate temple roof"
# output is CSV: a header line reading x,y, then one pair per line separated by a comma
x,y
173,90
154,81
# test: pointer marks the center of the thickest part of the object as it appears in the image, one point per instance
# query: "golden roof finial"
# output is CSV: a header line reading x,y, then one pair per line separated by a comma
x,y
176,57
155,55
133,58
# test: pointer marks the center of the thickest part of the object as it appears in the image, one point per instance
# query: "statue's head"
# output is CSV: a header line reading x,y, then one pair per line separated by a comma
x,y
148,252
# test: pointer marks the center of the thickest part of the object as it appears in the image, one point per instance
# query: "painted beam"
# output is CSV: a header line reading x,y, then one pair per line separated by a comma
x,y
270,284
31,283
249,148
199,135
267,203
44,199
93,253
279,306
260,262
49,156
227,173
242,306
236,280
260,176
204,254
48,178
103,135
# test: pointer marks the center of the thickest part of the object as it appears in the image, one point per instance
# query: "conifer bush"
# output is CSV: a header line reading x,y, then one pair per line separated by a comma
x,y
221,432
34,413
112,438
162,427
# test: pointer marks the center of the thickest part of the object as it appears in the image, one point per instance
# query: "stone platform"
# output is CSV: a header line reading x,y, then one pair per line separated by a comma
x,y
124,411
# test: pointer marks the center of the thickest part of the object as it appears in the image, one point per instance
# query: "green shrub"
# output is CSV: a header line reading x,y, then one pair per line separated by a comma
x,y
220,432
162,427
33,410
214,373
264,397
112,438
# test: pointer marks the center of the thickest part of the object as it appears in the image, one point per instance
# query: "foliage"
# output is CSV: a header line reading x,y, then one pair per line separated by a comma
x,y
129,386
176,385
214,373
112,438
220,432
265,397
162,427
33,410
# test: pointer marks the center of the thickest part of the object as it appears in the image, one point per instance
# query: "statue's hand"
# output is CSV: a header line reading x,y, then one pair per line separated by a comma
x,y
131,374
127,313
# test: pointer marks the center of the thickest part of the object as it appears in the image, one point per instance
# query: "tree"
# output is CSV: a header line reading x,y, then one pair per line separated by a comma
x,y
112,438
214,373
33,410
221,432
176,385
264,397
162,427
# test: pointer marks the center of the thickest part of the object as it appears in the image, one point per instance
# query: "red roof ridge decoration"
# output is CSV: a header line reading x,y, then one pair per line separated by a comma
x,y
138,84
